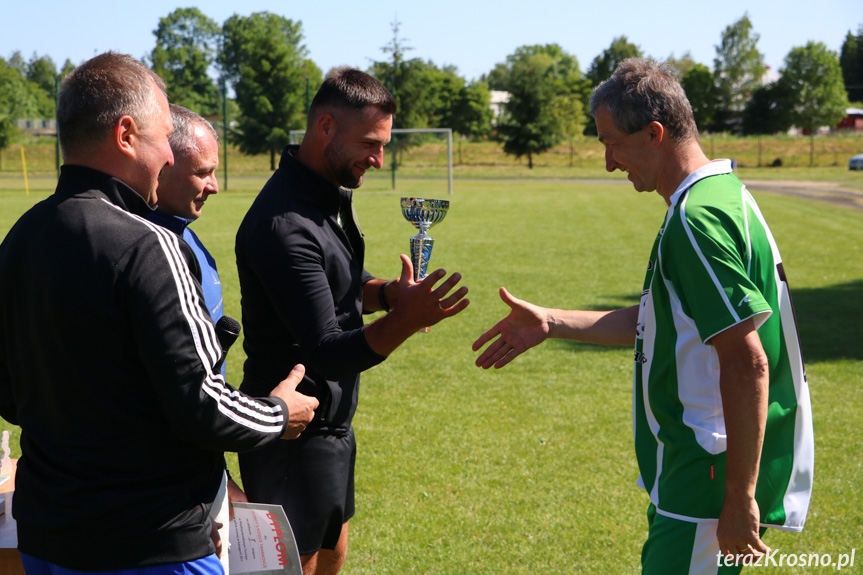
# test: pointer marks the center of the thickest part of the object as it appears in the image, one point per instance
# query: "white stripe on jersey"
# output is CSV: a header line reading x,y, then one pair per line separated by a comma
x,y
647,317
235,406
697,248
747,200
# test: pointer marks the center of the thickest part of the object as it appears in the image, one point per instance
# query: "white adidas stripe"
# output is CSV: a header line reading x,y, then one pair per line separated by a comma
x,y
237,407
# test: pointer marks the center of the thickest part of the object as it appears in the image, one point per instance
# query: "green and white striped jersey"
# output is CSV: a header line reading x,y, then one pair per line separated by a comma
x,y
713,265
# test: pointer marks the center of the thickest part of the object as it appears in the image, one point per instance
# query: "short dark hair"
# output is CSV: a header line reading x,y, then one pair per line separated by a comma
x,y
99,92
641,91
349,88
182,139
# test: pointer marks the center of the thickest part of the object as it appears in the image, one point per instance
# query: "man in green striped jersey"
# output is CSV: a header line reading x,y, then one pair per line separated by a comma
x,y
723,423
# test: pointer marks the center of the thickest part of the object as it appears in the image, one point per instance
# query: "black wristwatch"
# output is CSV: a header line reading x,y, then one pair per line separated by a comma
x,y
382,296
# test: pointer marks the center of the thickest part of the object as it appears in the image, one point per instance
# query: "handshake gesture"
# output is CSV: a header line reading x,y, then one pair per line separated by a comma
x,y
415,305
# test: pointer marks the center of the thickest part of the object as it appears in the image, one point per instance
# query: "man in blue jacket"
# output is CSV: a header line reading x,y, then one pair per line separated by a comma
x,y
183,190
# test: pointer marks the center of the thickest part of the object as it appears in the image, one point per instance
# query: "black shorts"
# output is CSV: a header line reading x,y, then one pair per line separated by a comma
x,y
312,478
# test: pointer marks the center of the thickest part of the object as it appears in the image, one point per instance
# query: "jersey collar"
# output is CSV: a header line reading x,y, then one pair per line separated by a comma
x,y
714,168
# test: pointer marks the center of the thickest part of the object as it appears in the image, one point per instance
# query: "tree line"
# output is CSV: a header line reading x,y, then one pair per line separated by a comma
x,y
263,60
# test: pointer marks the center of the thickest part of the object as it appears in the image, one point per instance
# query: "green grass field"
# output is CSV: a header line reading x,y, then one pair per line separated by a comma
x,y
530,469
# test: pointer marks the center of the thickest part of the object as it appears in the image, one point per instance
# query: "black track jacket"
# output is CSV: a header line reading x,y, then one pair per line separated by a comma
x,y
106,355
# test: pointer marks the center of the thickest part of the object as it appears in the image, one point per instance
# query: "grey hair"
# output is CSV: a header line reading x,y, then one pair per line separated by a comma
x,y
641,91
101,91
182,139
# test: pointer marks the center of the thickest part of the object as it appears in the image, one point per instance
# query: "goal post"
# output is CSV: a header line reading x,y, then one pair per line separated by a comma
x,y
296,137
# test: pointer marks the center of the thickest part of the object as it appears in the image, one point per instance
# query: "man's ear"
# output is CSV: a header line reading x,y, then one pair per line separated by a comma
x,y
656,132
126,136
326,126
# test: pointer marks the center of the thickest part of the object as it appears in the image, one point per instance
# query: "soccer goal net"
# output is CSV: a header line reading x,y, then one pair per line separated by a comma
x,y
412,154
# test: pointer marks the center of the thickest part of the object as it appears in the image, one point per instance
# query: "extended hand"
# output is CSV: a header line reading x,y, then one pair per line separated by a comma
x,y
525,327
301,408
421,302
737,532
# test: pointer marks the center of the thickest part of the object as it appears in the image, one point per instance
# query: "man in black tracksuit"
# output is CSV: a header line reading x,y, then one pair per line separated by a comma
x,y
300,256
107,351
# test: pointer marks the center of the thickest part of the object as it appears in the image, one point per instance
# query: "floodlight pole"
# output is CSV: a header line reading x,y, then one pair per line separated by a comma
x,y
225,132
449,149
56,125
394,162
393,91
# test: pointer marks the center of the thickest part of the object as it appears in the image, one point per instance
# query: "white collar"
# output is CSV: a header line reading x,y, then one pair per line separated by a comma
x,y
714,168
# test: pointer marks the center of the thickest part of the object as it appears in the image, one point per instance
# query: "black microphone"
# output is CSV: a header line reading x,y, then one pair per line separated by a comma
x,y
227,330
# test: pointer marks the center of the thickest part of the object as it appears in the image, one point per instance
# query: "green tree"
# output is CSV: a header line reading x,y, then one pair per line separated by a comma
x,y
68,66
764,113
415,84
266,63
186,48
423,94
539,79
17,62
8,132
681,65
535,77
42,72
737,70
813,89
851,61
563,69
698,84
470,113
427,96
19,99
498,78
603,67
386,71
568,112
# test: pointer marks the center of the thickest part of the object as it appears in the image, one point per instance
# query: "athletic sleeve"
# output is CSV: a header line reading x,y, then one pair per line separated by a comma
x,y
305,301
8,409
179,347
706,257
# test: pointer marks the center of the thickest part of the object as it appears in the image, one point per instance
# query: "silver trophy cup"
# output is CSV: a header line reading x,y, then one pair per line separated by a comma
x,y
423,214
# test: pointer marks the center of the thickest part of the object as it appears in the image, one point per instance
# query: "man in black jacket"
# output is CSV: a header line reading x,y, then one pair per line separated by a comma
x,y
304,289
107,351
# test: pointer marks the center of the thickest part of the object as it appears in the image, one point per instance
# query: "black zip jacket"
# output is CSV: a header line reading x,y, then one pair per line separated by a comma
x,y
106,363
301,279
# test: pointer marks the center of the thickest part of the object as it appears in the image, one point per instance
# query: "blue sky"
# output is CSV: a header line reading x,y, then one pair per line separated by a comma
x,y
472,35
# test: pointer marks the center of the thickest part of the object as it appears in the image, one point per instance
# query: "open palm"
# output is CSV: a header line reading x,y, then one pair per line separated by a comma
x,y
525,327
